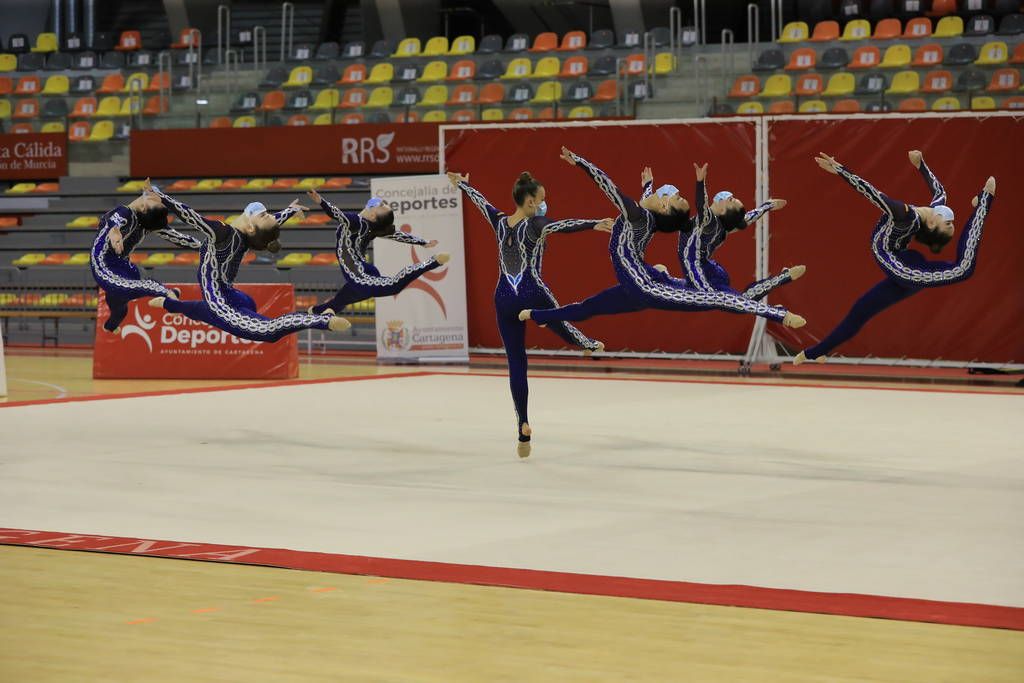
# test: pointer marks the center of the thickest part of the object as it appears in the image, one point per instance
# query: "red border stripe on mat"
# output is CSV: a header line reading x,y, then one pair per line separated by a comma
x,y
844,604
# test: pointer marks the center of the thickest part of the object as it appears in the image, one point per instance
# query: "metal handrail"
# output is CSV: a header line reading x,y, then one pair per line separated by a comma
x,y
165,100
675,32
703,20
134,101
649,54
776,7
700,72
621,84
728,54
195,61
223,31
230,72
287,28
753,28
259,48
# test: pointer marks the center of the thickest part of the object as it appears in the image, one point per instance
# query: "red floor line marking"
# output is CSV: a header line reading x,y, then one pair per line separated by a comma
x,y
842,604
754,383
203,390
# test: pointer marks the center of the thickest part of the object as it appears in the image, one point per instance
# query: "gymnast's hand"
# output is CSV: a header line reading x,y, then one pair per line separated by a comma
x,y
455,178
295,205
701,172
828,163
646,176
915,157
777,204
990,187
605,225
313,194
147,186
567,156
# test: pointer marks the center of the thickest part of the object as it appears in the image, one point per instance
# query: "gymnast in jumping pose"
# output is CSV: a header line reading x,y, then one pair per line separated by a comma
x,y
121,230
906,270
641,285
360,279
521,238
715,221
221,253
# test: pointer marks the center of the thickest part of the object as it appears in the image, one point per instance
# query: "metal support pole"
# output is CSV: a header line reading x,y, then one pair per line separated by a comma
x,y
259,48
223,31
287,28
753,29
231,66
675,32
649,54
164,93
728,55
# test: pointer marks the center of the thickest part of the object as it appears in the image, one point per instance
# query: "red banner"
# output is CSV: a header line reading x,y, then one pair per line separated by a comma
x,y
827,226
35,156
577,266
285,150
156,344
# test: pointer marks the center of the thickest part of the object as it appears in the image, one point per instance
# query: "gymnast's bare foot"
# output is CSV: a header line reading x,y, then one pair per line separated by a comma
x,y
524,447
443,258
175,294
525,314
796,272
661,267
157,301
338,324
793,320
802,358
598,349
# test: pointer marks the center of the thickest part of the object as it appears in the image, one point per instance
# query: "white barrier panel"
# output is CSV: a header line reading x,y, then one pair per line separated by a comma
x,y
427,321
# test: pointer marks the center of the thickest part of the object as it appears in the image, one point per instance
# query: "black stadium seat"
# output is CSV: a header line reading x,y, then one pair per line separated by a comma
x,y
18,44
382,49
979,25
881,9
517,42
112,60
303,52
408,96
602,39
102,41
378,117
960,55
873,83
876,107
813,11
661,36
85,60
580,91
326,74
58,61
83,85
603,66
630,40
299,100
246,103
31,61
54,108
141,59
770,60
490,44
490,70
329,50
519,93
406,73
1004,7
354,49
907,9
275,77
834,58
73,42
975,6
1012,25
970,80
850,9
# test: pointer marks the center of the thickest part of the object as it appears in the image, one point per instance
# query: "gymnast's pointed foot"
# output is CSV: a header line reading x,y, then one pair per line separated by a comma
x,y
116,330
796,272
802,358
326,311
443,258
524,446
525,314
157,301
597,349
661,267
338,324
175,294
793,320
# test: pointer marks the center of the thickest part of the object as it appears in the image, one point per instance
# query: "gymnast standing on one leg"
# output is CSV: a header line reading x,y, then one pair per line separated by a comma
x,y
121,230
715,221
223,306
641,285
906,270
521,239
355,232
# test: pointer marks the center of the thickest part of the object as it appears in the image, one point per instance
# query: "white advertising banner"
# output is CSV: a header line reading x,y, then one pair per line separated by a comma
x,y
426,322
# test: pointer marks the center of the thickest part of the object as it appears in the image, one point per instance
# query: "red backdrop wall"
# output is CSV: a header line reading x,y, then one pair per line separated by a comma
x,y
577,265
827,226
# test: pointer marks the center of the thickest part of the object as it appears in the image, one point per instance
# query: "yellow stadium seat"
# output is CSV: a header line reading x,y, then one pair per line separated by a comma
x,y
896,57
5,109
435,116
310,183
244,122
750,108
207,184
21,188
435,96
300,77
548,92
813,107
160,258
664,63
436,47
983,103
794,32
993,53
29,259
54,299
109,106
581,112
46,42
294,259
463,45
381,73
904,82
548,67
101,131
323,120
492,114
325,99
8,62
56,85
858,29
434,71
83,222
132,186
78,259
779,85
518,68
52,127
409,47
380,97
258,184
946,104
839,85
949,27
131,105
141,78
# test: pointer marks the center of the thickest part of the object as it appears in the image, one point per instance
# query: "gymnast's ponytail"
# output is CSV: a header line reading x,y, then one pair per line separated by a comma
x,y
526,186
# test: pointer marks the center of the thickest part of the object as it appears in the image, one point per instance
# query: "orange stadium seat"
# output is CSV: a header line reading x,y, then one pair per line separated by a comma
x,y
129,42
802,59
918,27
353,98
182,185
545,42
186,38
913,104
26,109
809,85
745,86
1004,80
574,67
221,122
79,131
354,73
937,82
928,55
337,183
825,31
782,107
888,29
847,106
112,84
28,85
865,57
463,70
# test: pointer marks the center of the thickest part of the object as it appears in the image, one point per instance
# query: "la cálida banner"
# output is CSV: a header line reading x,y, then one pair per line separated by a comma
x,y
427,320
35,156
